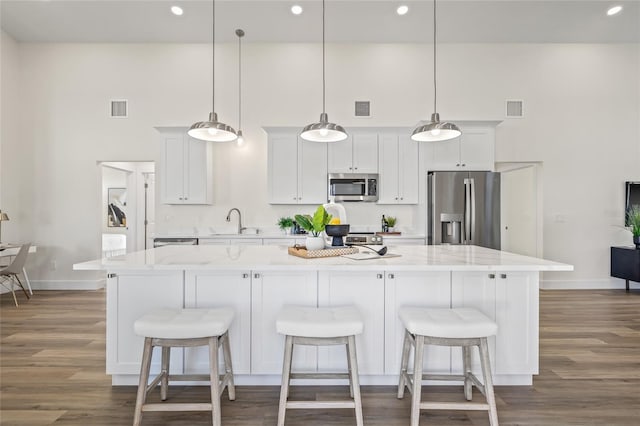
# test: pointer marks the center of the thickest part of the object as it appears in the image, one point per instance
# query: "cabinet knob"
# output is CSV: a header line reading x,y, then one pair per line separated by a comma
x,y
245,275
180,198
256,275
492,276
401,198
295,198
464,165
356,168
111,275
458,165
379,276
392,276
503,276
396,198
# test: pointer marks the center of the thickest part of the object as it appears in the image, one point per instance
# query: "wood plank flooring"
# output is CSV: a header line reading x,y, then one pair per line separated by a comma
x,y
53,360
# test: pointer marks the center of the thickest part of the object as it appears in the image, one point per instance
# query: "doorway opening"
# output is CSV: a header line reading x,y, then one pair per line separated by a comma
x,y
127,206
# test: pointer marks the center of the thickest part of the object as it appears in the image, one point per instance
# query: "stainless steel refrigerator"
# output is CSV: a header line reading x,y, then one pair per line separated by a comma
x,y
463,208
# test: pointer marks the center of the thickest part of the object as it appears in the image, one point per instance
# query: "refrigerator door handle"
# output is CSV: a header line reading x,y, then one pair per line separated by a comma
x,y
472,193
467,211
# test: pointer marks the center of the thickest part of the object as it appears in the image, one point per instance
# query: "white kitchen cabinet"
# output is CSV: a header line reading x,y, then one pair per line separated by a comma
x,y
398,168
227,241
474,290
473,150
297,169
211,289
186,169
356,154
365,291
271,290
424,289
125,291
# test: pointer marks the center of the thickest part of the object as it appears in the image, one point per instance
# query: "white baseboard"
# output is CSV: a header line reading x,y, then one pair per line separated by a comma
x,y
601,284
67,284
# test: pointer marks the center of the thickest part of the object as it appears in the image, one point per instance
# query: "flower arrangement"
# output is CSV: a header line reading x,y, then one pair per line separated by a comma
x,y
316,224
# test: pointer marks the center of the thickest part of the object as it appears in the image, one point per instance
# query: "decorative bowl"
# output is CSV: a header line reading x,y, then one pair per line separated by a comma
x,y
337,232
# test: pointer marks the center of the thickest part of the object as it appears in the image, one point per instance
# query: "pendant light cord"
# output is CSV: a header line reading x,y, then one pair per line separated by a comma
x,y
435,89
240,33
213,57
323,66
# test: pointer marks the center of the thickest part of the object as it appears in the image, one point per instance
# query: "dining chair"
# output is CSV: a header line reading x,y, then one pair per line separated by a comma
x,y
9,275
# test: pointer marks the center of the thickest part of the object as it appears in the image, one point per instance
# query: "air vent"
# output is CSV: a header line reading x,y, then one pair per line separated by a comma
x,y
514,108
363,109
119,108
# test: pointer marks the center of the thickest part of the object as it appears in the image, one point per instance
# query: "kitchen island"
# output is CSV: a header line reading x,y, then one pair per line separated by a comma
x,y
258,280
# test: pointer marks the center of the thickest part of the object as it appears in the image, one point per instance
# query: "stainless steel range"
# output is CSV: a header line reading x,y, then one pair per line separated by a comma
x,y
360,238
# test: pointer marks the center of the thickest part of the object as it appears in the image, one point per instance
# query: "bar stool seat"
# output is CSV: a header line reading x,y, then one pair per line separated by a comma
x,y
320,327
464,327
169,328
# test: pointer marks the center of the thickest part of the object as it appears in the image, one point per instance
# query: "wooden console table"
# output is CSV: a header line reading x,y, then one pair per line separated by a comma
x,y
625,264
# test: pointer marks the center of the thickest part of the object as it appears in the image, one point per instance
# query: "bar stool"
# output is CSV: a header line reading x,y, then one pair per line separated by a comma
x,y
169,328
320,327
463,327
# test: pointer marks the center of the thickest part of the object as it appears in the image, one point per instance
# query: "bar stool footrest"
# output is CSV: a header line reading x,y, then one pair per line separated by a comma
x,y
178,407
480,406
321,404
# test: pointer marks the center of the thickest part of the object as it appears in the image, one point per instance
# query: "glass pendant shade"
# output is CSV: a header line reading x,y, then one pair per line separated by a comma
x,y
323,131
212,130
436,130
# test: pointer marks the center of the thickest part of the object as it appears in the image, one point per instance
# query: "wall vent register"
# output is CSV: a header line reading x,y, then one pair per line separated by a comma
x,y
363,109
119,108
514,108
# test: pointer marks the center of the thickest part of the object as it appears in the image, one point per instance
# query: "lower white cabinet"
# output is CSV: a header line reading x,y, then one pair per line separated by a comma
x,y
229,241
210,289
271,290
125,291
365,291
423,289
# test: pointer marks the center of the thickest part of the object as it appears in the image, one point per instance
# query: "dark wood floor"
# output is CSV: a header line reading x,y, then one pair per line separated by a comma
x,y
53,357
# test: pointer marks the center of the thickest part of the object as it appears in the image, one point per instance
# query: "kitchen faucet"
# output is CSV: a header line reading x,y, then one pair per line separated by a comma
x,y
240,228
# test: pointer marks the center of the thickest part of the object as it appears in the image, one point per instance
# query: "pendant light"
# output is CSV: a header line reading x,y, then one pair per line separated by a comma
x,y
435,130
323,131
240,140
213,130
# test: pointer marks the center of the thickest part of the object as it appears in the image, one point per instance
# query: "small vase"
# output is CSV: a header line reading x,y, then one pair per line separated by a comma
x,y
636,241
314,243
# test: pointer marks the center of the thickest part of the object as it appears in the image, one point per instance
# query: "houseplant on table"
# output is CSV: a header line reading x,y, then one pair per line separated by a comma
x,y
391,223
633,219
315,226
285,223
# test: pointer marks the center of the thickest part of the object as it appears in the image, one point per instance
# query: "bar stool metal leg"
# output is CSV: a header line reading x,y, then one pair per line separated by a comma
x,y
144,379
488,382
286,372
354,381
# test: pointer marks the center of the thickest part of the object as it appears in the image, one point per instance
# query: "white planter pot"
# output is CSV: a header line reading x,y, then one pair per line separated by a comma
x,y
314,243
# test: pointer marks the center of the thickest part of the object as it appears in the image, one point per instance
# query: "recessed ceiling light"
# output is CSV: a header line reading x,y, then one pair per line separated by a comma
x,y
296,9
177,10
614,10
402,10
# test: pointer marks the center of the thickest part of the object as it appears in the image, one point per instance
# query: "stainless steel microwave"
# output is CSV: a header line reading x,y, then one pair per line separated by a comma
x,y
353,187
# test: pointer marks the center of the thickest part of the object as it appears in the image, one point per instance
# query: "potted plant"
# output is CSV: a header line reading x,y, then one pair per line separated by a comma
x,y
391,223
285,223
633,219
314,226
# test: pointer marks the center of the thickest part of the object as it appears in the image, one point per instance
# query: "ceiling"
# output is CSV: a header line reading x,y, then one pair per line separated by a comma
x,y
459,21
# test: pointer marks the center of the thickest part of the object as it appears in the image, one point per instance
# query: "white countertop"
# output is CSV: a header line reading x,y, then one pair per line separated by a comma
x,y
255,257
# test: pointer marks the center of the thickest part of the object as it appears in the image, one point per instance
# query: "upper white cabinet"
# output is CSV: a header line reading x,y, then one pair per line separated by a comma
x,y
398,169
297,169
356,154
186,168
473,150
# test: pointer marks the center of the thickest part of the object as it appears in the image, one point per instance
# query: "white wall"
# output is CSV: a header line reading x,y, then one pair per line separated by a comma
x,y
582,105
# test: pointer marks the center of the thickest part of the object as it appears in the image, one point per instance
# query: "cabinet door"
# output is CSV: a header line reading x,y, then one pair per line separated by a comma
x,y
207,289
198,172
365,152
312,172
408,174
125,292
424,289
444,155
365,291
270,292
283,169
517,299
388,164
173,168
477,149
340,156
474,290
